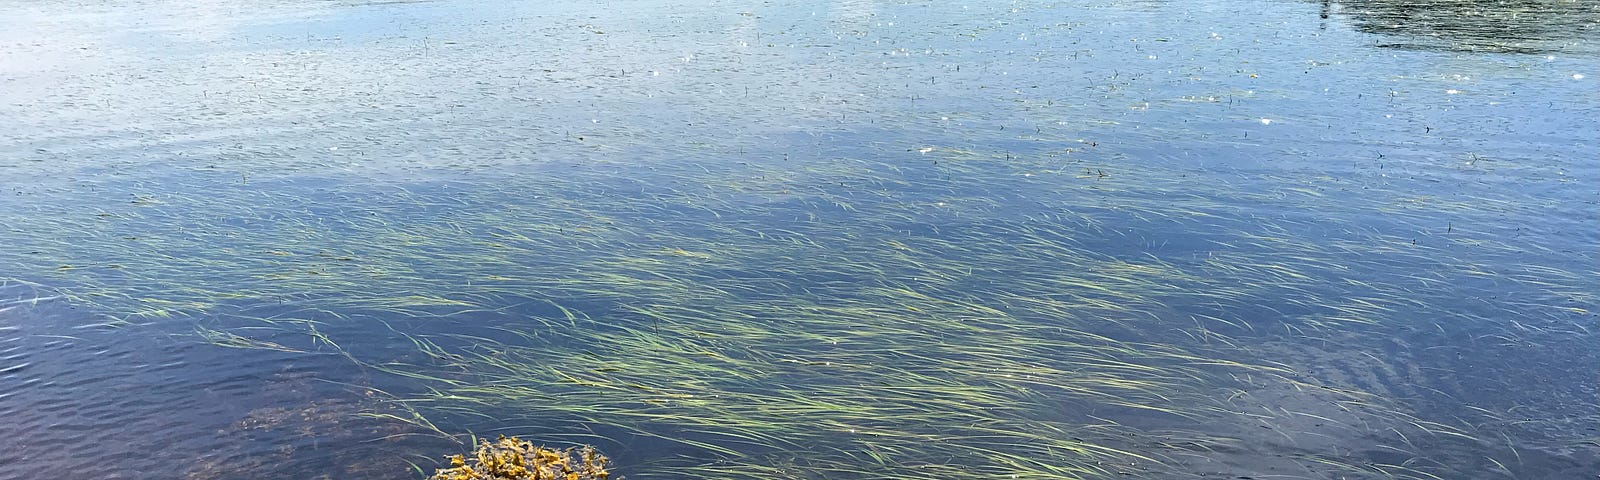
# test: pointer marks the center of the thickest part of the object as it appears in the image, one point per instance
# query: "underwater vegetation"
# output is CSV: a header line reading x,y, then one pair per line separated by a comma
x,y
887,322
1053,243
514,459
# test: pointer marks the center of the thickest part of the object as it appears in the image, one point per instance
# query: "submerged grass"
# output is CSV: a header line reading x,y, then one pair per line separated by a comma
x,y
1165,298
851,319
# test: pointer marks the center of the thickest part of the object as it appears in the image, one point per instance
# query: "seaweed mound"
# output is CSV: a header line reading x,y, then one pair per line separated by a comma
x,y
514,459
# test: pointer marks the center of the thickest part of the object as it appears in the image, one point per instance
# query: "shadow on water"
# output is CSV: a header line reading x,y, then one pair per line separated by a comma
x,y
1498,26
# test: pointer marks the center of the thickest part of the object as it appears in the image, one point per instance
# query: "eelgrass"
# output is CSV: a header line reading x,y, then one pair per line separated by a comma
x,y
844,332
986,306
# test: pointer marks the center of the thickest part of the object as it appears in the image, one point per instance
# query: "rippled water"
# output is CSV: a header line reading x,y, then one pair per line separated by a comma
x,y
853,239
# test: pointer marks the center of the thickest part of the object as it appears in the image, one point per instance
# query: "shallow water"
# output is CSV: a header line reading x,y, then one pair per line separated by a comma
x,y
853,239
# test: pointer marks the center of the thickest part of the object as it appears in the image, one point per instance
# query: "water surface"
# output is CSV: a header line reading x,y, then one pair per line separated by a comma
x,y
852,239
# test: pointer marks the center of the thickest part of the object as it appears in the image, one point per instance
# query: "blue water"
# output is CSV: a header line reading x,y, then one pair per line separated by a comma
x,y
210,211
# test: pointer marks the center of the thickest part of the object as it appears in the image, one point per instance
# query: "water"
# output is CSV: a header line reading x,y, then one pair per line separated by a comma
x,y
848,239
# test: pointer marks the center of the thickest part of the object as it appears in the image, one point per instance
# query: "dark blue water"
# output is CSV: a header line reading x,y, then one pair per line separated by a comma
x,y
1280,239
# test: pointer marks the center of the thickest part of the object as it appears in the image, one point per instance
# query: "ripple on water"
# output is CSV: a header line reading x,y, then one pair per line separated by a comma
x,y
140,402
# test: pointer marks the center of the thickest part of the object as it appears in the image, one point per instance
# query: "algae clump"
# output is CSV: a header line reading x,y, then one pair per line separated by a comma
x,y
512,458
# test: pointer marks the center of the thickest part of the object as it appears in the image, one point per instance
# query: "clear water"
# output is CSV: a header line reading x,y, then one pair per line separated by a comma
x,y
853,239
